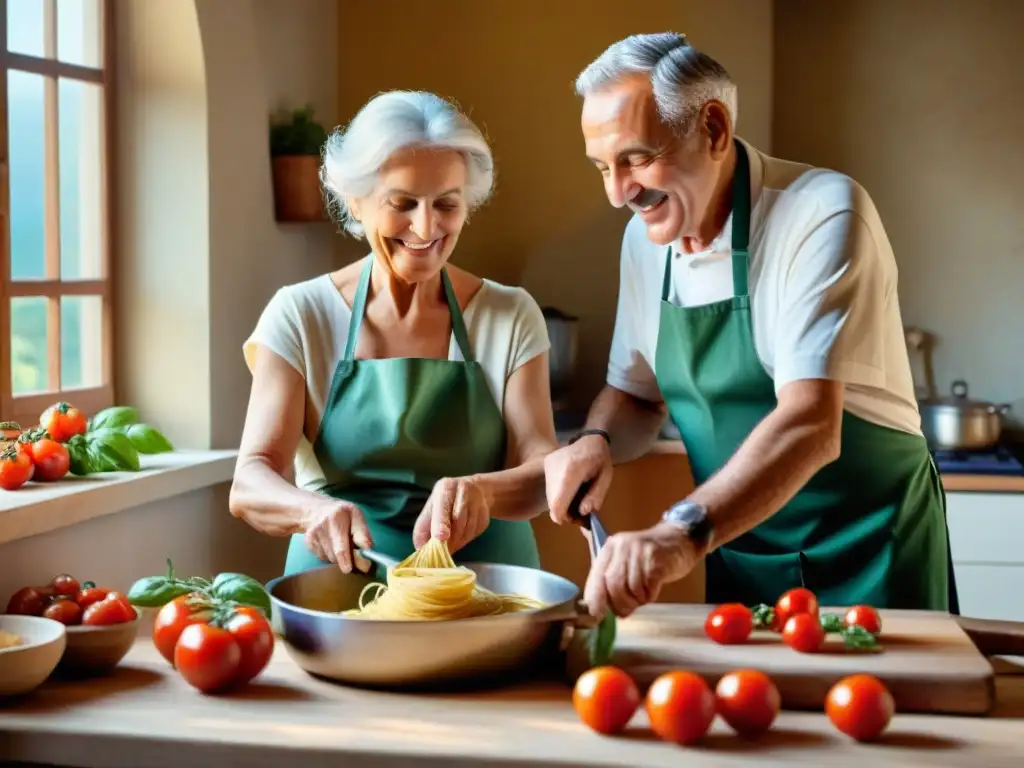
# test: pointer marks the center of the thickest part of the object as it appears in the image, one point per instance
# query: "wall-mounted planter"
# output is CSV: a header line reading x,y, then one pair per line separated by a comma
x,y
297,188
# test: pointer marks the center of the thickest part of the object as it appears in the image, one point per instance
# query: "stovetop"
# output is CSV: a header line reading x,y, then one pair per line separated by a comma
x,y
998,461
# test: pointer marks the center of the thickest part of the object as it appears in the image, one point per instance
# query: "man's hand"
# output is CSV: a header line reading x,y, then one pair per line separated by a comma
x,y
457,511
566,469
632,567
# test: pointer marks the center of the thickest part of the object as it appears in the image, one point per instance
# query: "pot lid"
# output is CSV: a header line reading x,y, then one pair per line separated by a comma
x,y
958,398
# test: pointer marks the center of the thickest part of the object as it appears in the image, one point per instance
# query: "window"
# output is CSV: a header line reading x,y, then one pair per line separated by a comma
x,y
56,302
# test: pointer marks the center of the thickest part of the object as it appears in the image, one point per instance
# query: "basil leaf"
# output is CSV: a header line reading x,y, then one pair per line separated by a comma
x,y
601,641
112,451
147,439
118,416
156,591
241,589
78,452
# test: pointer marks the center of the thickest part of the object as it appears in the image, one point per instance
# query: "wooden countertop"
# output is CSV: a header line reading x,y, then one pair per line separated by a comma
x,y
954,483
143,714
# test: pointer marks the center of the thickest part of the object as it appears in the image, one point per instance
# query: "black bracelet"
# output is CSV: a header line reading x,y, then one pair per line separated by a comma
x,y
588,432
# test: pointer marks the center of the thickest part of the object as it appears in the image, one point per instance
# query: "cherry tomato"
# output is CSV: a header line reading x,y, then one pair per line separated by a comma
x,y
803,633
65,585
255,639
794,602
681,707
864,616
16,467
860,706
112,609
172,618
65,611
51,459
90,595
63,421
27,601
748,701
605,698
729,624
207,657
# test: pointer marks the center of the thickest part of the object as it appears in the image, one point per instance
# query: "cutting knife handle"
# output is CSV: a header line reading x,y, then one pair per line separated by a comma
x,y
577,500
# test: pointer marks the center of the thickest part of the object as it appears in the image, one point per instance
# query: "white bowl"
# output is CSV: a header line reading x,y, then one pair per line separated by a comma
x,y
24,667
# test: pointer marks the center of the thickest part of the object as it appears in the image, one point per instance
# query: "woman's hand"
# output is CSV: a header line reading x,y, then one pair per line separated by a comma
x,y
335,531
457,511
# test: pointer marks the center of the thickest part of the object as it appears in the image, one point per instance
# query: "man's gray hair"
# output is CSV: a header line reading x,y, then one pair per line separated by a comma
x,y
683,78
353,157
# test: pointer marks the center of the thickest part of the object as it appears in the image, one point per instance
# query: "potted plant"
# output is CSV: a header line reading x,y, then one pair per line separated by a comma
x,y
296,140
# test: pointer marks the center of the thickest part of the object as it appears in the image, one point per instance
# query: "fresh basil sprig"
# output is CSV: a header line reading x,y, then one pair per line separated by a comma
x,y
225,589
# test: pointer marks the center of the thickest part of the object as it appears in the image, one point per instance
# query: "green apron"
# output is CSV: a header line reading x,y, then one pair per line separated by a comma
x,y
392,428
868,528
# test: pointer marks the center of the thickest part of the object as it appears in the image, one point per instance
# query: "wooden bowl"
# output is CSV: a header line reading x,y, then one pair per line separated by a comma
x,y
24,667
95,650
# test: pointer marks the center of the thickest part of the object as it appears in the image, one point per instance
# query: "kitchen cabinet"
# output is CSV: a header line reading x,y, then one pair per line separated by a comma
x,y
986,533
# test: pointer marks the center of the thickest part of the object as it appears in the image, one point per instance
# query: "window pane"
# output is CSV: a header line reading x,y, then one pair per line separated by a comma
x,y
81,191
78,32
81,341
25,27
27,163
29,356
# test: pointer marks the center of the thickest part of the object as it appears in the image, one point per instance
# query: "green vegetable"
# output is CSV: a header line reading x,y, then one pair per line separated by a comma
x,y
858,638
239,588
601,641
156,591
113,451
78,452
832,623
117,416
147,439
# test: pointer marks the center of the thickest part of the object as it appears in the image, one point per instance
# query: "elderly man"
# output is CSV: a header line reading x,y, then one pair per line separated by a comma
x,y
758,309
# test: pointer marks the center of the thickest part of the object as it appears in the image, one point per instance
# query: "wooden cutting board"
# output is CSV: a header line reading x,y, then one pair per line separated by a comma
x,y
927,661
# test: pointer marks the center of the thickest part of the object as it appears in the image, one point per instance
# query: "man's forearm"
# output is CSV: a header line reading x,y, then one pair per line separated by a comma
x,y
632,424
775,461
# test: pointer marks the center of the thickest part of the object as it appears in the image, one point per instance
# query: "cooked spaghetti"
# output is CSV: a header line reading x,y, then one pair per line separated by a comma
x,y
429,586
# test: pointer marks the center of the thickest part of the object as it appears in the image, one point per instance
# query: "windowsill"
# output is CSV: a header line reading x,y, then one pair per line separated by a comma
x,y
39,508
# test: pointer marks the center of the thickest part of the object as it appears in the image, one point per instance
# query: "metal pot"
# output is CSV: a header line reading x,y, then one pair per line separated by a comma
x,y
563,331
958,423
400,654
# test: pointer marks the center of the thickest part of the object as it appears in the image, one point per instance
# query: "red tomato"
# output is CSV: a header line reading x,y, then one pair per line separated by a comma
x,y
207,657
9,431
860,706
63,421
729,624
681,707
794,602
804,633
864,616
65,585
65,611
27,601
90,595
16,467
605,698
255,639
112,609
748,701
51,459
172,618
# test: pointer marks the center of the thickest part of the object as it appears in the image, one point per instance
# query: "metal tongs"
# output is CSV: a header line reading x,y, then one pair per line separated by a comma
x,y
592,523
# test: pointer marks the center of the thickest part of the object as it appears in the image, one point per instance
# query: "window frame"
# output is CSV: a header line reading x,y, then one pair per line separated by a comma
x,y
26,409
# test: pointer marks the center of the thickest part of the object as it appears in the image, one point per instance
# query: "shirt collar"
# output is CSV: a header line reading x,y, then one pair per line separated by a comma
x,y
723,242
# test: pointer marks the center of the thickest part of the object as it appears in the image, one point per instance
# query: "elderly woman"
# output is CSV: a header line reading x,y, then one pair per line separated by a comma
x,y
409,397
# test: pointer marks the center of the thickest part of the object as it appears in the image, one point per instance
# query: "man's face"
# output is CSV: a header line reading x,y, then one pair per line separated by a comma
x,y
645,165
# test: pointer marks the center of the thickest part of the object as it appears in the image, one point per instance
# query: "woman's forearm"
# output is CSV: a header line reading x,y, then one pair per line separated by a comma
x,y
268,502
516,493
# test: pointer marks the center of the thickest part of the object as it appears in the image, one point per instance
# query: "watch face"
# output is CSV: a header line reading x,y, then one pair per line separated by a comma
x,y
687,512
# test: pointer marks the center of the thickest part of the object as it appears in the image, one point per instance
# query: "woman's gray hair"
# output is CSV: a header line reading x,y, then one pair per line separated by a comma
x,y
394,120
683,78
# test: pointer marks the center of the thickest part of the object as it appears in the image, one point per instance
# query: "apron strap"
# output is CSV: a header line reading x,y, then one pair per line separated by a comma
x,y
740,230
741,222
359,311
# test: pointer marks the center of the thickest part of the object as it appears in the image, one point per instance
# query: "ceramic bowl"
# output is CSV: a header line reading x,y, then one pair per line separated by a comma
x,y
95,650
24,667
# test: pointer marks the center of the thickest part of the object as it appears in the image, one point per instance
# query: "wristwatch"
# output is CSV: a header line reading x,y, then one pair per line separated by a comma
x,y
694,518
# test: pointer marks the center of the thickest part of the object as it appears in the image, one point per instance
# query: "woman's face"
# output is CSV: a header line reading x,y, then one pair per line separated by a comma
x,y
414,216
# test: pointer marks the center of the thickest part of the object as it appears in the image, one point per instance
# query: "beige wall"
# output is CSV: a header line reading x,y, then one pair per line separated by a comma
x,y
511,64
920,101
